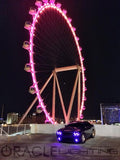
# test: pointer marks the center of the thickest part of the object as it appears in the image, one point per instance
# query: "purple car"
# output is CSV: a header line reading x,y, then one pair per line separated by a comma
x,y
76,132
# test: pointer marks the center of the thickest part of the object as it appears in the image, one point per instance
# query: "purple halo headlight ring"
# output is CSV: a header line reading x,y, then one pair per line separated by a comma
x,y
76,134
59,133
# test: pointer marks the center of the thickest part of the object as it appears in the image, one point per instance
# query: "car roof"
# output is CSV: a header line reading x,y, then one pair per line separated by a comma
x,y
79,122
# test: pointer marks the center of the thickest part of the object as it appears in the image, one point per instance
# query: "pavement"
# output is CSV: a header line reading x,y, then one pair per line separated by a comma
x,y
46,147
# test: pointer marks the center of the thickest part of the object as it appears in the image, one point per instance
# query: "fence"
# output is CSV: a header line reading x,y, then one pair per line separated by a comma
x,y
14,129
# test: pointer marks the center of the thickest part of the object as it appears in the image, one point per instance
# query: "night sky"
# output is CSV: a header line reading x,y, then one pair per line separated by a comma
x,y
98,27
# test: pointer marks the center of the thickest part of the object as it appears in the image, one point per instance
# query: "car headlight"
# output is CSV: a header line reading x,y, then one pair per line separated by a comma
x,y
59,133
76,134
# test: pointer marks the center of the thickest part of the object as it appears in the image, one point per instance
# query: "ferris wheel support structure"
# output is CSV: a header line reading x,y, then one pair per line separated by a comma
x,y
55,81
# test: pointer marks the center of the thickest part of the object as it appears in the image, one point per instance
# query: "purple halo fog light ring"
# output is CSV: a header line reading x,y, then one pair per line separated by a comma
x,y
59,138
59,133
76,140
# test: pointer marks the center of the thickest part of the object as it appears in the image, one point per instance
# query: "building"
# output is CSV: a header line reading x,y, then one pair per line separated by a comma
x,y
110,113
12,118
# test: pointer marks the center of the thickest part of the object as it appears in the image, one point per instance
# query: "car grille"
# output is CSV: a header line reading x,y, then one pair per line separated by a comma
x,y
67,133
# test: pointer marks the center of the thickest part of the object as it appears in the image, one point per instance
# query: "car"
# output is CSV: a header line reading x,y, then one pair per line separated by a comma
x,y
77,132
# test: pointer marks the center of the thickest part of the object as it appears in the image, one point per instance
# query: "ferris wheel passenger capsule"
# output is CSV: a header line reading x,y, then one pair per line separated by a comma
x,y
32,90
80,48
52,1
83,108
58,5
27,25
39,109
77,38
70,20
32,11
64,11
27,67
38,3
81,117
47,121
26,45
82,58
45,1
74,29
84,68
85,98
85,79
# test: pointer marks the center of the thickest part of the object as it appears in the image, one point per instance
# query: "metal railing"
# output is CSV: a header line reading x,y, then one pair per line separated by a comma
x,y
14,129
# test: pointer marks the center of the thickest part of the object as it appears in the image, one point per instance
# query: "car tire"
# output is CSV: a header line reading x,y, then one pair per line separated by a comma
x,y
93,134
83,138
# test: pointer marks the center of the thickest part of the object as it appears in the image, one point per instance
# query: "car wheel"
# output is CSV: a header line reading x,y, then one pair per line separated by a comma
x,y
83,138
93,134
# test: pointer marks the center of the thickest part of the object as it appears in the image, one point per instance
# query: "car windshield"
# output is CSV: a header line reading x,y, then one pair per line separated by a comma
x,y
78,125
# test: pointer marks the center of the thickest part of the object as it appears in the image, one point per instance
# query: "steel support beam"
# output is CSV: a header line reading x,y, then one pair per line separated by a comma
x,y
68,68
61,99
72,98
79,98
53,98
35,100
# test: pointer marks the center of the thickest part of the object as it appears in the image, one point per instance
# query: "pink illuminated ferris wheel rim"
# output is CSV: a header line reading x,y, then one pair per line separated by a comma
x,y
42,8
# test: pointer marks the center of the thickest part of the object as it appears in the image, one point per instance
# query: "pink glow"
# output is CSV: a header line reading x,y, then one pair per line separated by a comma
x,y
38,107
38,3
84,68
85,79
27,25
81,117
80,48
83,108
74,29
82,59
42,9
45,1
64,11
52,1
77,38
32,11
58,5
70,20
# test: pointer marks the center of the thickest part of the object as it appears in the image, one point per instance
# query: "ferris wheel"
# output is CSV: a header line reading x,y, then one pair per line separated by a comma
x,y
54,53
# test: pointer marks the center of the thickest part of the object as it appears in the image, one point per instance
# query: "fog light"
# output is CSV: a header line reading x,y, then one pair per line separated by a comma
x,y
76,140
59,138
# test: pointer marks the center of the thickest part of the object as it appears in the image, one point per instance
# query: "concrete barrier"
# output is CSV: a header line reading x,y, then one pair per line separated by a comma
x,y
101,130
45,128
107,130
